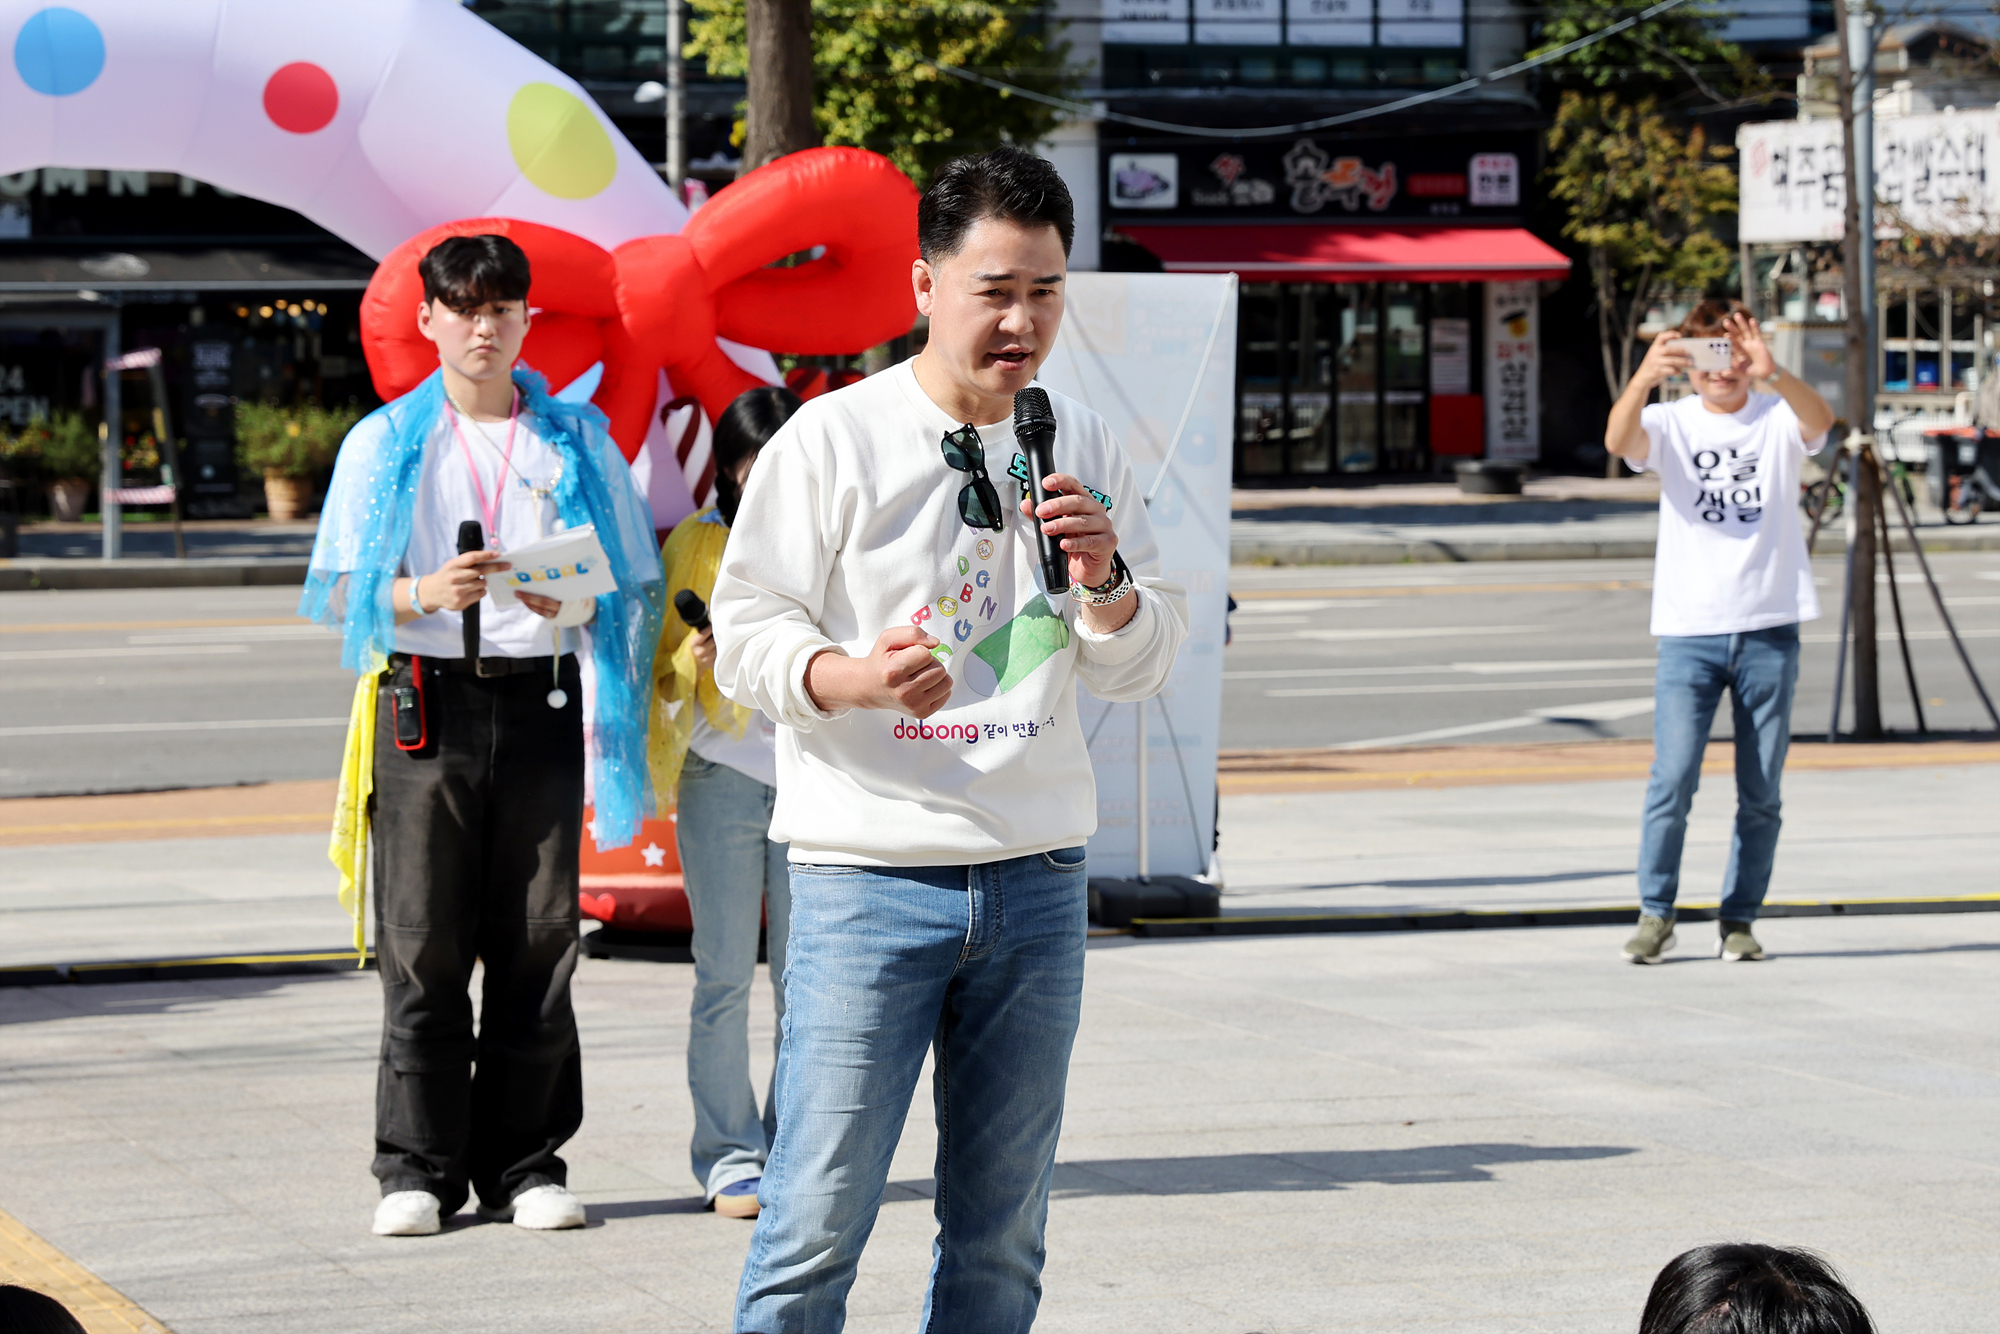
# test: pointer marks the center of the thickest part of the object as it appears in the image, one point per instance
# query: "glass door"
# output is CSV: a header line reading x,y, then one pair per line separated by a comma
x,y
1403,377
1311,388
1260,411
1356,362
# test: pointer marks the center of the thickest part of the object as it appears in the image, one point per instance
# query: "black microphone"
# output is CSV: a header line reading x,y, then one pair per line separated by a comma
x,y
692,609
471,538
1035,429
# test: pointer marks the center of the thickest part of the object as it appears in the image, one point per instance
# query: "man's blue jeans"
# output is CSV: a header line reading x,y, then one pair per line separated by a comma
x,y
984,966
1759,668
733,871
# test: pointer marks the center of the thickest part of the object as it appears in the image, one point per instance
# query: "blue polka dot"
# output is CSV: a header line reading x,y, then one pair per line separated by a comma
x,y
59,52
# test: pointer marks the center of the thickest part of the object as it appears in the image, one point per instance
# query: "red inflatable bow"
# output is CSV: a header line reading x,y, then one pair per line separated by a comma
x,y
661,301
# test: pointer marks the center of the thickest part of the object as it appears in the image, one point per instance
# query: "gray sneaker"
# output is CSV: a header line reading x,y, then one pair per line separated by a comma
x,y
1653,939
1737,945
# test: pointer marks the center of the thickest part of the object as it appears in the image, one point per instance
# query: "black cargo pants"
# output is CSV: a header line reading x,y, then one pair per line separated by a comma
x,y
476,841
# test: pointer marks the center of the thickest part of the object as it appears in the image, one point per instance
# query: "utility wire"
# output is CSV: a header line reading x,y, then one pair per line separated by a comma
x,y
1300,127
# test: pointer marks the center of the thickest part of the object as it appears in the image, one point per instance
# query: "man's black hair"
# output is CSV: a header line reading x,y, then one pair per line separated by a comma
x,y
742,430
1008,183
1750,1288
466,272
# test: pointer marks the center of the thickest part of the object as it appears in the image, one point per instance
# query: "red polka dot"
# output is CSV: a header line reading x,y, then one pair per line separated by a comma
x,y
301,98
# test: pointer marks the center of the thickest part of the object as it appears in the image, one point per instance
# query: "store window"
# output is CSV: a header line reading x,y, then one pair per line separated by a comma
x,y
1283,43
1337,377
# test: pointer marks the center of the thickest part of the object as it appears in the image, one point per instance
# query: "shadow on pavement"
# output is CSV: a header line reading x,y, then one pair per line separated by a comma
x,y
35,1005
1452,882
1230,1173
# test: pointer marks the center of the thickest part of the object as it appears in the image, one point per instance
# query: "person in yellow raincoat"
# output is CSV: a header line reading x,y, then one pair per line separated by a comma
x,y
719,761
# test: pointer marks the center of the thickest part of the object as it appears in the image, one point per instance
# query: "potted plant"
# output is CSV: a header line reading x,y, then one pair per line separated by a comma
x,y
287,445
70,457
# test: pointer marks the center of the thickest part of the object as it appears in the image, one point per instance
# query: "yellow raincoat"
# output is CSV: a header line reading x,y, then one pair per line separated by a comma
x,y
692,555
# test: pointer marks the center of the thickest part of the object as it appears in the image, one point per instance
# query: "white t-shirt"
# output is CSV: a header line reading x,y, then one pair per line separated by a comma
x,y
445,497
850,526
1732,552
754,754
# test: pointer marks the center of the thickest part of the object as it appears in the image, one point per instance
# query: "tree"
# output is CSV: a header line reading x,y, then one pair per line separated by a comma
x,y
1640,193
1674,56
874,90
778,62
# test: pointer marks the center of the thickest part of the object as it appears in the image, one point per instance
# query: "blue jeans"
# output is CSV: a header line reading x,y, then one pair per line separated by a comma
x,y
984,966
1759,668
732,871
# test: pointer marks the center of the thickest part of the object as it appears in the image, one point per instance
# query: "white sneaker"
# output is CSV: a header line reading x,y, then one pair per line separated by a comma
x,y
543,1208
407,1213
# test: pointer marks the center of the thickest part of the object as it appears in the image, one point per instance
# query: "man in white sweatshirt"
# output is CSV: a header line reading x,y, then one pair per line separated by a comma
x,y
879,598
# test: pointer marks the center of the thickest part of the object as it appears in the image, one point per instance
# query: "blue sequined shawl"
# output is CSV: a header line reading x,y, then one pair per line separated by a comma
x,y
364,530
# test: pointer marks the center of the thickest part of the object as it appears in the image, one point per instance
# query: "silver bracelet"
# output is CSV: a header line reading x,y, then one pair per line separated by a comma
x,y
415,605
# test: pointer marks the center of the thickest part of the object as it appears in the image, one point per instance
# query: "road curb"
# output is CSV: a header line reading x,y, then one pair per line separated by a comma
x,y
29,574
1479,919
1336,551
277,963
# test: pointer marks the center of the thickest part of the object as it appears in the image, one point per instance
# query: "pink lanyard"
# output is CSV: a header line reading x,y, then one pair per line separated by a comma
x,y
490,508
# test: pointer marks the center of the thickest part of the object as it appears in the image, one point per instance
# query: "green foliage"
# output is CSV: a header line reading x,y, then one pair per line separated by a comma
x,y
290,442
1678,53
869,91
1640,193
61,447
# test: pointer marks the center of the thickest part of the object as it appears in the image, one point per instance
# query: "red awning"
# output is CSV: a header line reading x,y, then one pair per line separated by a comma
x,y
1416,253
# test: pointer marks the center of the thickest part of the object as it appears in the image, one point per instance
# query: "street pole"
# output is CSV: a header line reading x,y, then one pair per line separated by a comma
x,y
676,101
1857,94
111,444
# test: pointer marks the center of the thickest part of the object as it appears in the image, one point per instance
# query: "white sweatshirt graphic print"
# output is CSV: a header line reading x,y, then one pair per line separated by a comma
x,y
850,526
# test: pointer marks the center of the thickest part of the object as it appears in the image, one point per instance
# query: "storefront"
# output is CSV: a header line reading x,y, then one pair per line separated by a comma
x,y
1388,313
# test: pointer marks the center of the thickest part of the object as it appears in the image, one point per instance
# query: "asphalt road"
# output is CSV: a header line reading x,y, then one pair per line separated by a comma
x,y
1541,651
162,688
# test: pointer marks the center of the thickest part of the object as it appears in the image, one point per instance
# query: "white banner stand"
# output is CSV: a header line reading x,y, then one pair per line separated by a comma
x,y
1155,354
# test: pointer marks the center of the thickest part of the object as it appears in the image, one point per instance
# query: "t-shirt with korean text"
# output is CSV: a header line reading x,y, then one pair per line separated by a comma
x,y
1732,553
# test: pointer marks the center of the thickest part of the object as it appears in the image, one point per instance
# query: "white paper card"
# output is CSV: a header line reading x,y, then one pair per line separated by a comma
x,y
567,566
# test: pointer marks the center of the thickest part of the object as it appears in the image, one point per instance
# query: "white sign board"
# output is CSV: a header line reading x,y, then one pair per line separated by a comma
x,y
1513,371
1239,22
1330,22
1148,350
1932,173
1145,22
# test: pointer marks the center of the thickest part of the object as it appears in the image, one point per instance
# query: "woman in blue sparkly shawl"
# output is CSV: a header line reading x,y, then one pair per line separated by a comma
x,y
466,772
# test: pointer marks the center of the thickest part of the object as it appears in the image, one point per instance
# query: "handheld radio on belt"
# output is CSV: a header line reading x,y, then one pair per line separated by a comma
x,y
471,538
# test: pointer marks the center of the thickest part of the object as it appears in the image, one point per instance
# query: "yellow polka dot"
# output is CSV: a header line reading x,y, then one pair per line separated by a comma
x,y
557,142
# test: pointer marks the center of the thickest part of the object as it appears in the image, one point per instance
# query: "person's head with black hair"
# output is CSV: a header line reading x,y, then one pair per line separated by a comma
x,y
1749,1288
26,1311
993,238
744,428
475,308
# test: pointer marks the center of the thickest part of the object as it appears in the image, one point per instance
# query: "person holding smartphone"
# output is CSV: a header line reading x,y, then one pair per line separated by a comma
x,y
718,762
1731,584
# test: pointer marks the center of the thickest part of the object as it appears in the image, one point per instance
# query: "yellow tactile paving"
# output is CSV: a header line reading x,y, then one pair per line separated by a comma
x,y
302,807
31,1262
1311,770
1436,590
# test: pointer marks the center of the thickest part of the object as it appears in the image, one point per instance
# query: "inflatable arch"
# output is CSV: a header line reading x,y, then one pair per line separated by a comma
x,y
393,123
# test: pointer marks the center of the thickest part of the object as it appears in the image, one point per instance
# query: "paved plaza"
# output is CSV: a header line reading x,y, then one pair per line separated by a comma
x,y
1497,1130
1465,1132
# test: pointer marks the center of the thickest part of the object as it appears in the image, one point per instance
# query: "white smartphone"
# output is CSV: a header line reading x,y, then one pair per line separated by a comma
x,y
1709,354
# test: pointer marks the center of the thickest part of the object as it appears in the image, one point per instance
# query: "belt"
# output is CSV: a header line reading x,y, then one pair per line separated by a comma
x,y
545,665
